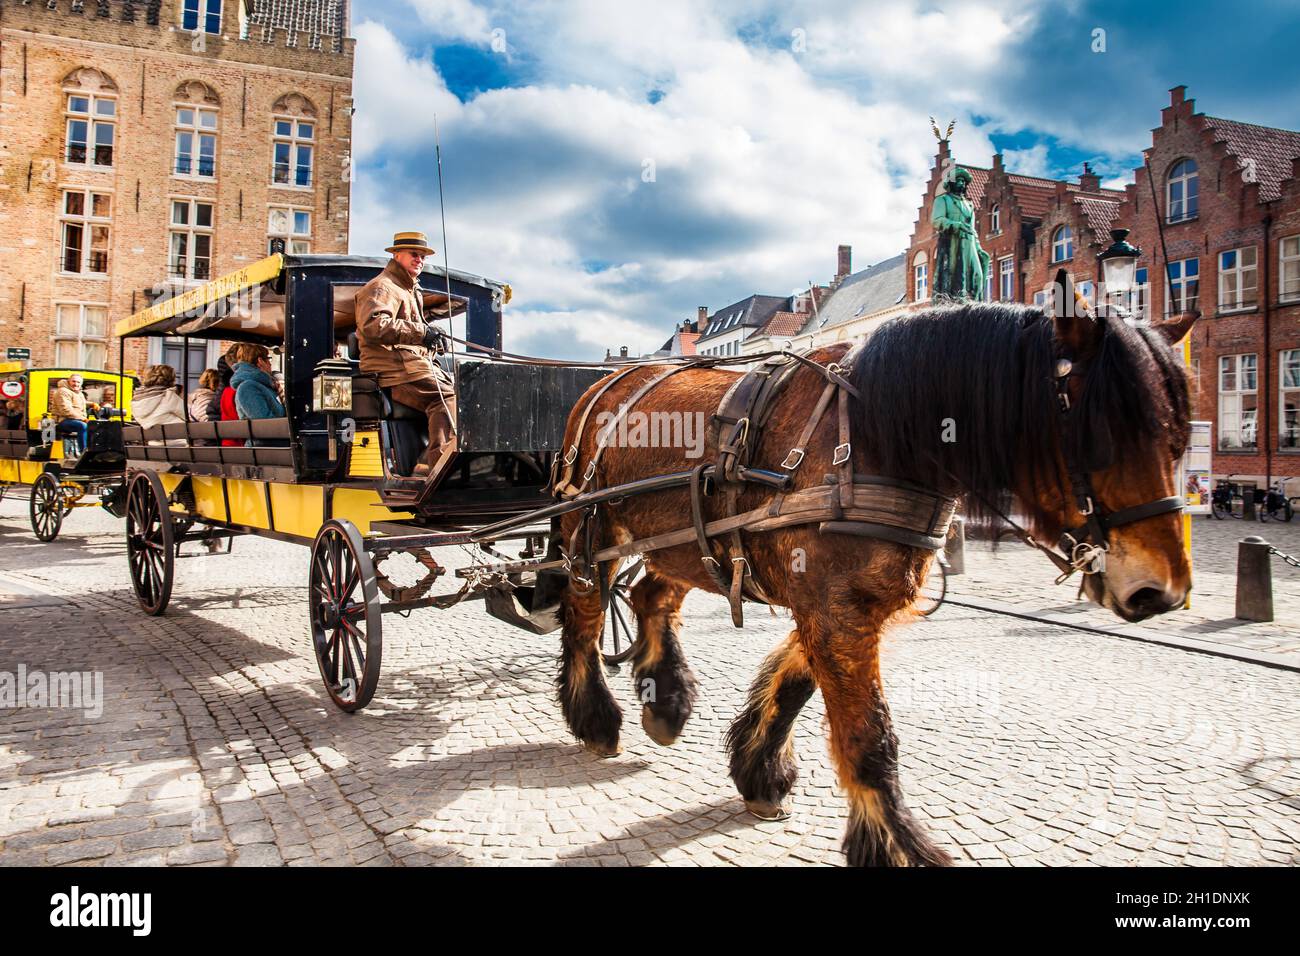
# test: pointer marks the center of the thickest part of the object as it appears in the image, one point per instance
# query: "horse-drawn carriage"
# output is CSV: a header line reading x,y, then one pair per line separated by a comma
x,y
63,476
824,485
336,473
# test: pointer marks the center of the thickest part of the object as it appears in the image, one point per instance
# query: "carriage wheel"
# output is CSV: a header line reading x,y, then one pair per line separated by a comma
x,y
618,642
149,547
346,630
47,507
933,590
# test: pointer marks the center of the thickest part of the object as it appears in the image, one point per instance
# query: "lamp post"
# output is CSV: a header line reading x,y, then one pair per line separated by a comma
x,y
1117,267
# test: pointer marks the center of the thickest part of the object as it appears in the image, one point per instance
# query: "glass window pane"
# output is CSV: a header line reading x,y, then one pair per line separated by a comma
x,y
190,15
104,144
96,323
184,153
202,257
67,320
105,107
283,128
74,204
185,117
78,104
101,205
98,259
180,213
301,223
94,354
1228,260
72,245
76,141
203,215
208,119
304,166
180,253
207,155
305,130
65,354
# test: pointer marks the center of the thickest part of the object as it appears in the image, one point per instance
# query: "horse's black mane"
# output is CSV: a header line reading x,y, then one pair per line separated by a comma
x,y
984,373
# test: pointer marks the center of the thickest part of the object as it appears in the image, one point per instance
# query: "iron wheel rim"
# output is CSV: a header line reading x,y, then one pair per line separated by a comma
x,y
619,639
345,619
47,508
149,545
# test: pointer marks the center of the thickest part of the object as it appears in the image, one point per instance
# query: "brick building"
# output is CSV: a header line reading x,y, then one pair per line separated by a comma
x,y
1229,195
148,146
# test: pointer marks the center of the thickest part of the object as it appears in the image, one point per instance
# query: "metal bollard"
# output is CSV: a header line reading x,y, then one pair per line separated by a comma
x,y
954,548
1248,502
1254,580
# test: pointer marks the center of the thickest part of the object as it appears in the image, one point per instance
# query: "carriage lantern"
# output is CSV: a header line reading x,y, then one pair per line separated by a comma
x,y
1119,266
332,386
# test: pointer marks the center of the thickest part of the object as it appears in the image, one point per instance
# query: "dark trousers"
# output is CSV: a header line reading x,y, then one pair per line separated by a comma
x,y
439,406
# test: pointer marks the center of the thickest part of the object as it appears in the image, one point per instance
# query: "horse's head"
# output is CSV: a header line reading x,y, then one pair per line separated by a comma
x,y
1120,443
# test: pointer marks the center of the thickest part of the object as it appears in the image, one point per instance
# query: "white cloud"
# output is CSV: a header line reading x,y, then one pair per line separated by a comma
x,y
765,159
1028,162
454,19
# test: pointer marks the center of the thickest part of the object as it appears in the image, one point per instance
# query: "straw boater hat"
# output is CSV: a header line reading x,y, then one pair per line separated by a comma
x,y
412,241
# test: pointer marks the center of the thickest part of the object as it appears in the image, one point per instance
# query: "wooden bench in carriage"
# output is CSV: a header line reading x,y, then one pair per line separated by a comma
x,y
34,457
334,474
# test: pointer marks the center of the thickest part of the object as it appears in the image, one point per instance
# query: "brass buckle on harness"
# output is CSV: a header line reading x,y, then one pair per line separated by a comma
x,y
792,459
745,561
572,454
741,432
711,562
842,453
591,470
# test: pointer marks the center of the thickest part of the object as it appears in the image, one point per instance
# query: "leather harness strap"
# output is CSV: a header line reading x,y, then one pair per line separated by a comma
x,y
571,456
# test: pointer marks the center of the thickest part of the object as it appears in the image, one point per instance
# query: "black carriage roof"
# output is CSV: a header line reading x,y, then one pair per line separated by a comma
x,y
191,312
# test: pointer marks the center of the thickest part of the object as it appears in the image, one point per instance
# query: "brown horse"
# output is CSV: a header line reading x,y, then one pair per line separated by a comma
x,y
991,373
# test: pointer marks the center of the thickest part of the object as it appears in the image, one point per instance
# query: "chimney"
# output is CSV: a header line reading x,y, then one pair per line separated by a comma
x,y
844,263
1088,180
701,318
622,351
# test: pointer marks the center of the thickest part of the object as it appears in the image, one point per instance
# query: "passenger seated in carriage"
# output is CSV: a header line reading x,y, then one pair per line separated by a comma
x,y
68,409
399,347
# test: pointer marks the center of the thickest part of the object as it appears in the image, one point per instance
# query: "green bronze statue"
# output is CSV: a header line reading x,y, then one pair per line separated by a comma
x,y
960,265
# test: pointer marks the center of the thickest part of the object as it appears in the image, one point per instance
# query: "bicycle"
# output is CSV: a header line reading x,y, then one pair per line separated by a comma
x,y
1221,498
1273,504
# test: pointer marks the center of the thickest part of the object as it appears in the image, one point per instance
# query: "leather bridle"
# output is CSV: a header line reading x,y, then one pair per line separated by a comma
x,y
1084,546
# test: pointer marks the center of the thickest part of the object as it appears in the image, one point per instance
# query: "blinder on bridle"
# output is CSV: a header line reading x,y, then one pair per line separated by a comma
x,y
1085,546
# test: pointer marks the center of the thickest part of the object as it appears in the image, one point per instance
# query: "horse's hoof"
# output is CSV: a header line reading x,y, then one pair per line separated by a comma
x,y
658,729
605,751
767,810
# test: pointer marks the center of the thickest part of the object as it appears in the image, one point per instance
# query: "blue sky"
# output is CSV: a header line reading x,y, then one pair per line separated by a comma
x,y
621,163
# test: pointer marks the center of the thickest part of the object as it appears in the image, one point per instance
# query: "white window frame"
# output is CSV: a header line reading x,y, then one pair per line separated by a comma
x,y
295,242
1062,244
93,120
1242,278
995,220
1007,279
197,132
88,222
1288,383
1288,261
191,230
296,143
1233,415
1185,303
80,339
921,276
203,10
1188,177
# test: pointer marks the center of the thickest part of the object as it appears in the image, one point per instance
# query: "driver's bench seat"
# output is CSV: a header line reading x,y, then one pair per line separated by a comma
x,y
408,427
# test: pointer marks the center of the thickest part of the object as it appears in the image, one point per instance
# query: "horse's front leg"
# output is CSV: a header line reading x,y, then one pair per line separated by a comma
x,y
842,640
663,680
760,741
585,699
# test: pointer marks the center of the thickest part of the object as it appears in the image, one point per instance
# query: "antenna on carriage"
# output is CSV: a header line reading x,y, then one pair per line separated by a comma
x,y
446,261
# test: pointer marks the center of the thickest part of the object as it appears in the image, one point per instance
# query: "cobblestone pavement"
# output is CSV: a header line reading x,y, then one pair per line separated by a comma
x,y
1020,743
1013,574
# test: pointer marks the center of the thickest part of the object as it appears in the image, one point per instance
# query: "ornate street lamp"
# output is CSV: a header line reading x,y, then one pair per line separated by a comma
x,y
1117,267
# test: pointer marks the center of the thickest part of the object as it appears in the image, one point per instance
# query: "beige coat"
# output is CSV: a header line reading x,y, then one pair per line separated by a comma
x,y
390,327
66,404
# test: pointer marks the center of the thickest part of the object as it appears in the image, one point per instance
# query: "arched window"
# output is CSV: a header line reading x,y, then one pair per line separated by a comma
x,y
995,219
90,108
921,277
1062,244
1182,199
293,150
196,130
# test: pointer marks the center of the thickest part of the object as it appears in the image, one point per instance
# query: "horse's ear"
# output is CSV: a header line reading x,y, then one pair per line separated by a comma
x,y
1075,325
1176,327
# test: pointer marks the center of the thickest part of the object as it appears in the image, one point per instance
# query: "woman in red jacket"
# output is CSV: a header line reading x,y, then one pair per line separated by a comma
x,y
227,399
